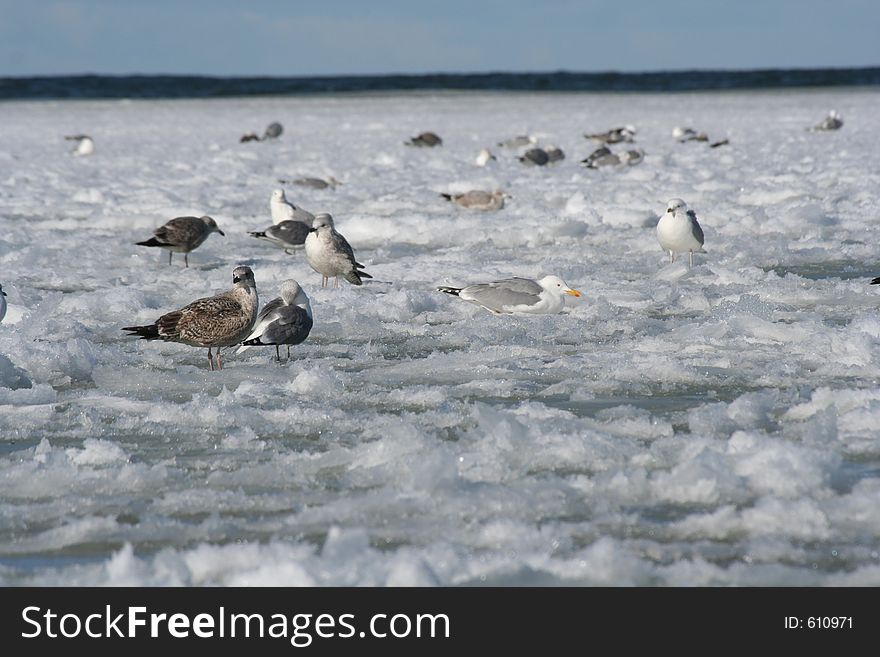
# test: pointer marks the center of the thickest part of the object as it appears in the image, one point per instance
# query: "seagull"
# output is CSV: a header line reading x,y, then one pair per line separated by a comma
x,y
425,139
483,157
330,254
535,157
688,134
219,321
601,157
678,230
2,303
85,145
554,153
833,121
632,157
614,136
477,199
518,141
273,131
516,295
314,183
284,210
290,234
286,320
182,235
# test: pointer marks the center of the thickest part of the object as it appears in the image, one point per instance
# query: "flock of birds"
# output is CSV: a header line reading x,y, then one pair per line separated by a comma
x,y
232,318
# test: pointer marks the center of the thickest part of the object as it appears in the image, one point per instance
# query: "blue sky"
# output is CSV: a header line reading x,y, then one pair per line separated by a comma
x,y
263,37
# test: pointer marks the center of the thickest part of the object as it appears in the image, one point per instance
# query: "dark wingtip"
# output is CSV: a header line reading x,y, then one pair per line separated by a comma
x,y
875,281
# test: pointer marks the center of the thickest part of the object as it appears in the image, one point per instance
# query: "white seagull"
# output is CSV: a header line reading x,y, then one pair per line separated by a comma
x,y
678,230
516,295
85,145
284,210
330,254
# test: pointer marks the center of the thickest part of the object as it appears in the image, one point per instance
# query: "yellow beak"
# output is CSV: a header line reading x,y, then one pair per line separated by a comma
x,y
573,293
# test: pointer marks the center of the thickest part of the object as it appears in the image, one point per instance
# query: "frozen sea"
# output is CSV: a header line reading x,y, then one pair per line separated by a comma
x,y
711,426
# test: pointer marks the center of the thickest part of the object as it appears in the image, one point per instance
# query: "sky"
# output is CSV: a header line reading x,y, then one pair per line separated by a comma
x,y
339,37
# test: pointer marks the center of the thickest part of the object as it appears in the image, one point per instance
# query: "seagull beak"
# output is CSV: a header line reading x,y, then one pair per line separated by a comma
x,y
221,232
2,293
313,230
573,293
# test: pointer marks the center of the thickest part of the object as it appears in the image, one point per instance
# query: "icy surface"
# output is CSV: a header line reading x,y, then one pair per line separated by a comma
x,y
712,426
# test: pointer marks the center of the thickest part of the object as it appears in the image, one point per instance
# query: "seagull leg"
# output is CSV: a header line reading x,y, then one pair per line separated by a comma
x,y
210,361
186,260
288,352
219,362
170,255
671,257
336,281
691,258
277,354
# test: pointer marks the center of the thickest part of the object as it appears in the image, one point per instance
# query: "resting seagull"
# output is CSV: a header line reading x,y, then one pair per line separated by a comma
x,y
615,136
516,295
182,235
84,146
833,121
286,320
330,254
284,210
678,230
219,321
477,199
425,139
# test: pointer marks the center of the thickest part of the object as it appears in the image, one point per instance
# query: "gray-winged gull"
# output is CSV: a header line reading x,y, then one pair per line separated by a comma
x,y
519,141
85,145
287,235
477,199
425,139
615,135
516,295
833,121
330,254
484,157
554,153
219,321
286,320
182,235
284,210
314,183
688,134
678,230
535,157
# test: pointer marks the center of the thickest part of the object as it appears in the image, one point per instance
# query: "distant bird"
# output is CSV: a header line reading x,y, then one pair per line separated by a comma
x,y
286,320
182,235
484,157
875,281
632,156
284,210
84,146
2,303
535,157
425,139
516,295
833,121
477,199
518,141
688,134
330,254
601,157
272,131
554,153
615,135
678,230
314,183
219,321
721,142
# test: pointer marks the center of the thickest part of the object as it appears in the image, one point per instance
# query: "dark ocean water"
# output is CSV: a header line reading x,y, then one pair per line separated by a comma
x,y
180,86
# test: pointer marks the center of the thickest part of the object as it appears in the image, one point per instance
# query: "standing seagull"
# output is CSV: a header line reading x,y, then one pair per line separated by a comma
x,y
284,210
678,230
182,235
285,320
516,295
330,254
219,321
2,303
84,146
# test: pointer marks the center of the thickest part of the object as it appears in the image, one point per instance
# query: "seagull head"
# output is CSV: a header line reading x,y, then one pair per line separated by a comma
x,y
557,286
676,204
212,225
322,220
243,276
2,293
294,295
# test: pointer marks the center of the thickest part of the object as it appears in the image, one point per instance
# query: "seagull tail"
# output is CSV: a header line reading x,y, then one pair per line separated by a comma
x,y
454,291
260,235
150,242
875,281
448,197
150,332
354,277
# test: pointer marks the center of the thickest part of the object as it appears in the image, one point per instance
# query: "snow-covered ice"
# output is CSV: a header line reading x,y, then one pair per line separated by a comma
x,y
714,425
